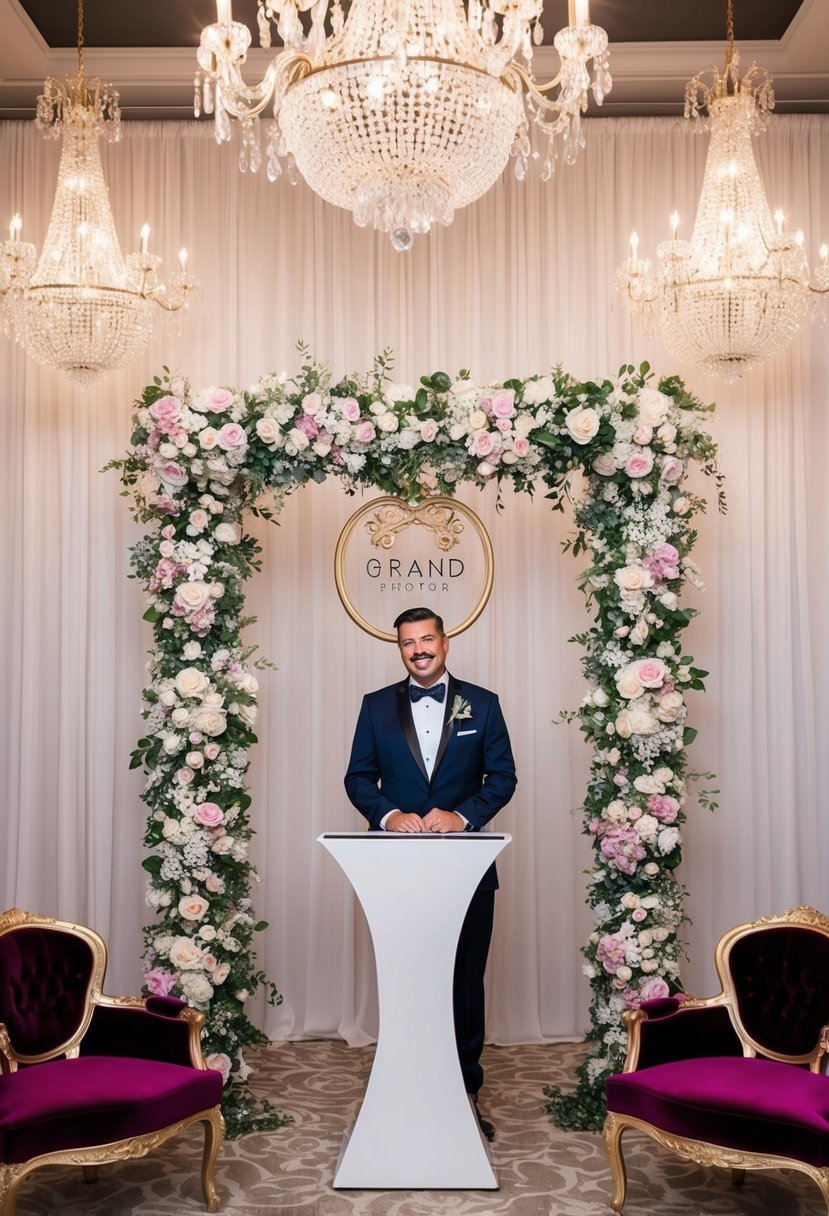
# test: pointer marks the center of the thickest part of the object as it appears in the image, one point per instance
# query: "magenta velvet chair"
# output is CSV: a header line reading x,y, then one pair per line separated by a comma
x,y
736,1080
87,1078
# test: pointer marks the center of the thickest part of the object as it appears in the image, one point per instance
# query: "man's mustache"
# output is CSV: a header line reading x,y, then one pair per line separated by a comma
x,y
424,655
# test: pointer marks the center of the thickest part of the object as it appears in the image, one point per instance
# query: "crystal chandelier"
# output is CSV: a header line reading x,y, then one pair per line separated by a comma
x,y
740,289
405,110
82,308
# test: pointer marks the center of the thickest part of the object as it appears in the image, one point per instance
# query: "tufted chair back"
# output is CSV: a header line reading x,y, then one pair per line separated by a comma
x,y
48,976
777,975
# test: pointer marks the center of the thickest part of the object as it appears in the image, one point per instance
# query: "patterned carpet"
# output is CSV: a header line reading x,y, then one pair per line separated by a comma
x,y
541,1170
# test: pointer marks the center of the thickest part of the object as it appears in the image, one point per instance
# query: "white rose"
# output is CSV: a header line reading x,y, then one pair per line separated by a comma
x,y
196,987
221,973
388,422
298,438
652,407
600,697
668,840
172,744
268,431
185,954
228,534
477,420
642,722
668,600
192,596
190,682
194,759
647,827
222,845
210,720
649,965
191,650
628,683
583,424
630,900
623,727
192,907
624,973
208,438
651,869
633,578
604,464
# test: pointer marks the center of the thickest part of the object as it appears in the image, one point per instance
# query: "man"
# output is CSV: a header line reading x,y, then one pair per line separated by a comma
x,y
432,754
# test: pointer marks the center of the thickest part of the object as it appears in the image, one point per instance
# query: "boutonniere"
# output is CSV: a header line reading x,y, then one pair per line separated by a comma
x,y
461,709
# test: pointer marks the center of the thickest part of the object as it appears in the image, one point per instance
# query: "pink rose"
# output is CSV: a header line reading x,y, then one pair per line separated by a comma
x,y
312,403
171,473
192,907
482,443
681,505
651,672
184,776
520,445
211,750
503,406
638,914
232,437
208,438
428,430
503,425
166,409
168,531
654,989
214,884
220,1062
610,953
160,981
671,469
220,399
365,432
209,814
350,408
639,464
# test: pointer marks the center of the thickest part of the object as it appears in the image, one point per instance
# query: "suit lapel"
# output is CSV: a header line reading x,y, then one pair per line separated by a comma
x,y
451,692
404,710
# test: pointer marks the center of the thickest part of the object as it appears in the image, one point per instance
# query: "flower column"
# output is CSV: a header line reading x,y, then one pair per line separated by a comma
x,y
200,709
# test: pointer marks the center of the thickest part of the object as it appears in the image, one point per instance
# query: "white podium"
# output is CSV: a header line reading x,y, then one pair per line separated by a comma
x,y
416,1128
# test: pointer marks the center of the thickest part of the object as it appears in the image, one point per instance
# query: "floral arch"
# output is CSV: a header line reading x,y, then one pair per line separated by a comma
x,y
201,459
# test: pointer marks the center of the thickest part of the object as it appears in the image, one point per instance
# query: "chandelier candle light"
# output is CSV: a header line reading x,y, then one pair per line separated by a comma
x,y
740,289
405,110
82,308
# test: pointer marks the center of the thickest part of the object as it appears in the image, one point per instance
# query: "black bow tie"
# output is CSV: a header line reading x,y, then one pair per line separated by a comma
x,y
438,691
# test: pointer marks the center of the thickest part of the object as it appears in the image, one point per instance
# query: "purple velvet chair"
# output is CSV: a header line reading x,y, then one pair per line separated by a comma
x,y
736,1080
87,1078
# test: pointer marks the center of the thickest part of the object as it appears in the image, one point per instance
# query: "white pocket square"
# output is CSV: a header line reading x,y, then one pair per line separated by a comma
x,y
466,732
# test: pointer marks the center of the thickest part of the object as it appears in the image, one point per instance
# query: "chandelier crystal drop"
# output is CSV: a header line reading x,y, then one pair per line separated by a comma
x,y
82,308
740,289
405,110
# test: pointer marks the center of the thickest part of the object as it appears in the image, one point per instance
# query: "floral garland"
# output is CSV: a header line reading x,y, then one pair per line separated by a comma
x,y
199,460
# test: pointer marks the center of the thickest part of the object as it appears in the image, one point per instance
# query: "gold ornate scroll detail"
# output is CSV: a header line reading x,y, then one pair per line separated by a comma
x,y
396,516
385,518
699,1151
11,1176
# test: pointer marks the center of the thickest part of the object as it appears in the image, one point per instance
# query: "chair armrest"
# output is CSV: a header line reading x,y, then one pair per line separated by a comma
x,y
160,1028
690,1031
820,1060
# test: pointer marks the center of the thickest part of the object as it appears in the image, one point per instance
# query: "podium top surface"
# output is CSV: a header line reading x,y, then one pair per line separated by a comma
x,y
375,836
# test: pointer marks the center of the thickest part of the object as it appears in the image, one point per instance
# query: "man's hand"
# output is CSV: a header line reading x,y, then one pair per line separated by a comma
x,y
399,821
442,821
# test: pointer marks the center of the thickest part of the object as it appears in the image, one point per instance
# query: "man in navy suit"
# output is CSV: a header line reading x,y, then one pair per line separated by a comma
x,y
432,754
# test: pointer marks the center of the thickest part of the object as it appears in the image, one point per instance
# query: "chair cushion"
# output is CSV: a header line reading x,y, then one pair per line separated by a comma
x,y
96,1100
759,1106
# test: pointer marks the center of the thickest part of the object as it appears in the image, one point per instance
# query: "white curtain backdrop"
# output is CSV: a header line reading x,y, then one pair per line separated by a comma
x,y
519,282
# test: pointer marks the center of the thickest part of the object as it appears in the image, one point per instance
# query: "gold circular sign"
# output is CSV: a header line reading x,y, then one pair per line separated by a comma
x,y
436,572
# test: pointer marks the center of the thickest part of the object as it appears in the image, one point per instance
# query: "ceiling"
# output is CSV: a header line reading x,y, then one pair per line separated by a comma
x,y
147,49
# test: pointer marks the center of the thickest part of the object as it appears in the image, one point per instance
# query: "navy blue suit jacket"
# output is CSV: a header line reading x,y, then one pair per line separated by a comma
x,y
473,774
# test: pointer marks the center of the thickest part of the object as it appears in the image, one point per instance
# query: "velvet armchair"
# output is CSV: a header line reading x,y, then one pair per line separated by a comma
x,y
87,1078
736,1080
